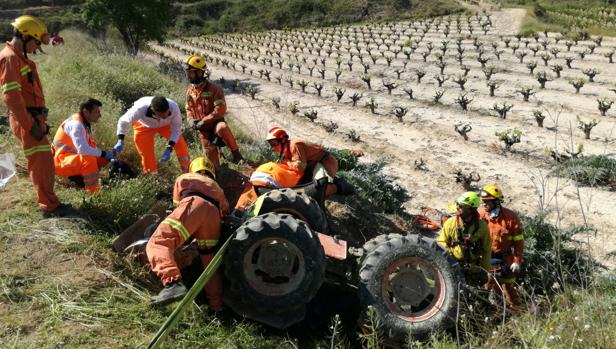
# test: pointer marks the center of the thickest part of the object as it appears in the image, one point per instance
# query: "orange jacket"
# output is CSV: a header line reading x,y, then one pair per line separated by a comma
x,y
196,183
20,86
63,144
206,103
300,153
276,175
506,232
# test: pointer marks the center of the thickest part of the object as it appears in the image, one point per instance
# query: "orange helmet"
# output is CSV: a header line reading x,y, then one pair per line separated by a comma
x,y
276,133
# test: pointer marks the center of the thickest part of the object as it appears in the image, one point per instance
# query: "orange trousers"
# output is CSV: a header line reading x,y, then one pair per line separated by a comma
x,y
40,165
222,130
144,142
194,218
86,166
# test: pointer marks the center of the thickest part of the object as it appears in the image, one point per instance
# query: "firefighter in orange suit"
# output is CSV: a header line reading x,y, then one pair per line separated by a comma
x,y
23,95
507,241
150,116
76,154
309,157
205,110
201,204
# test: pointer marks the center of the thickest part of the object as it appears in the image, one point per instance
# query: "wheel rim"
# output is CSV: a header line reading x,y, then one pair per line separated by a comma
x,y
274,266
413,289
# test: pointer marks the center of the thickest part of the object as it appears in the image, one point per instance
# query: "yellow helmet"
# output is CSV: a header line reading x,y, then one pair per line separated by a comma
x,y
469,198
203,164
491,192
197,62
32,26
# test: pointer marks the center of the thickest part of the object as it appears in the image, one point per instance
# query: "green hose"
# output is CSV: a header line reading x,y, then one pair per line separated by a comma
x,y
211,268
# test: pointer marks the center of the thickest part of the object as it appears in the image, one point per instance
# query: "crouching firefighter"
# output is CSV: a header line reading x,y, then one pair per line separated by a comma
x,y
467,239
201,204
76,154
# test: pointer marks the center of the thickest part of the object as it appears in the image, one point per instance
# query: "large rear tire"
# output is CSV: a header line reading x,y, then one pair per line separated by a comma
x,y
412,284
299,205
275,262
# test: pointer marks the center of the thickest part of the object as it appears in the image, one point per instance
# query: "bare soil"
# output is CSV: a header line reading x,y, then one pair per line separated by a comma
x,y
427,131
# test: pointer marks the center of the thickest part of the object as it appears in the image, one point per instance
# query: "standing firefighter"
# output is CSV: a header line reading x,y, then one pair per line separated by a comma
x,y
467,239
23,95
201,204
309,158
205,110
507,241
76,155
150,116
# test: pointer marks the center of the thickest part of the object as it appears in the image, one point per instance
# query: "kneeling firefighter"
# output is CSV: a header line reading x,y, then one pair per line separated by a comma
x,y
201,204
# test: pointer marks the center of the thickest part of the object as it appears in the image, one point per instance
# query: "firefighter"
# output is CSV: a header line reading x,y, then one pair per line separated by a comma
x,y
76,154
310,158
467,239
201,204
205,111
23,95
507,241
150,116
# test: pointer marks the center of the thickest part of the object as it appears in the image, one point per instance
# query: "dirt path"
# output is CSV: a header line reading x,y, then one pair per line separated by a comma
x,y
427,130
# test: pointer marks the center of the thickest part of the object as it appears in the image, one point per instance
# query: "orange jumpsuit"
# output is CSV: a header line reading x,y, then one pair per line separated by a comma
x,y
78,157
146,126
201,205
207,103
508,245
21,92
306,155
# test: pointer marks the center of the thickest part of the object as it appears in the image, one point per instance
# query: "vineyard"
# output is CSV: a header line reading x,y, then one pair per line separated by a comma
x,y
449,103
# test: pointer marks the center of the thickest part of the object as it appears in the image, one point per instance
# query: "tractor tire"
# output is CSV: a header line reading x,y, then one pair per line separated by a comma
x,y
275,262
412,284
373,243
298,205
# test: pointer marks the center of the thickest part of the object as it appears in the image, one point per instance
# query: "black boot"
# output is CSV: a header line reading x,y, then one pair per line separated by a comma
x,y
169,294
237,157
343,187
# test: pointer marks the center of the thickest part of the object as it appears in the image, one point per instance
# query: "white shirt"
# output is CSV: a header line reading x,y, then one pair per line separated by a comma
x,y
138,112
77,131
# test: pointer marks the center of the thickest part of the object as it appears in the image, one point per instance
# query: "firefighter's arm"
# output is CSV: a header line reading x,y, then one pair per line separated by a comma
x,y
220,107
10,87
518,240
176,125
444,237
299,159
486,245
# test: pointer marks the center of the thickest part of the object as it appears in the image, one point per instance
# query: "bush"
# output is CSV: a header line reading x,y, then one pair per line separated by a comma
x,y
551,257
375,189
594,170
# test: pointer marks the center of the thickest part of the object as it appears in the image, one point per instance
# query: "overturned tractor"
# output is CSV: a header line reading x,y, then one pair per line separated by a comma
x,y
282,251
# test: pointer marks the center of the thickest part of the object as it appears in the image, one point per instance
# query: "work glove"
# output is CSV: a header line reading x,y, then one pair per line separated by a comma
x,y
36,131
107,155
515,268
118,147
196,124
166,155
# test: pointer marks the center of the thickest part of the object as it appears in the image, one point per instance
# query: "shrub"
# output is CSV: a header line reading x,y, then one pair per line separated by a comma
x,y
593,170
376,188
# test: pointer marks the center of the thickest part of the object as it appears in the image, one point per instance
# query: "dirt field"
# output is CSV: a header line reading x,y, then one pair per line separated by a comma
x,y
427,130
